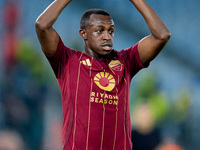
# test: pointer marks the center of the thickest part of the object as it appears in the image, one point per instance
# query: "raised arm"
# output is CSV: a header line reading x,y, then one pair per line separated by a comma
x,y
150,46
47,35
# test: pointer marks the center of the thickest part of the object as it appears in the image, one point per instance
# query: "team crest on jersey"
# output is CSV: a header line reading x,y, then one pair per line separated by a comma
x,y
115,65
104,81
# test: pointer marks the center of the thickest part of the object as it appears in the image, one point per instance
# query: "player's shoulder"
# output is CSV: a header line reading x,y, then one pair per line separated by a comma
x,y
129,50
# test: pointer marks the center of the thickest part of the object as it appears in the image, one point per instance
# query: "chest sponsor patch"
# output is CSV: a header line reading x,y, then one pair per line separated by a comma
x,y
115,65
104,81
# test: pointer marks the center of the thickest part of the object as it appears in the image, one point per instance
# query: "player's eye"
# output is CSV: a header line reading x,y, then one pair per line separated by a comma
x,y
111,31
99,31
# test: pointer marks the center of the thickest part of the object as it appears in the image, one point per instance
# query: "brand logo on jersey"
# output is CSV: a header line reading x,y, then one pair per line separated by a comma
x,y
86,62
104,81
115,65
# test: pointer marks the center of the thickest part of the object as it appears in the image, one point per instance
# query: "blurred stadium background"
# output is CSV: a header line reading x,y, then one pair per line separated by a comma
x,y
30,105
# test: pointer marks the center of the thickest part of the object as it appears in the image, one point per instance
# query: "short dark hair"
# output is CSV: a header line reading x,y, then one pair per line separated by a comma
x,y
86,15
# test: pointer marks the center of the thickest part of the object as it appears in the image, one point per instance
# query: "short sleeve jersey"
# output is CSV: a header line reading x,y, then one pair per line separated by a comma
x,y
95,97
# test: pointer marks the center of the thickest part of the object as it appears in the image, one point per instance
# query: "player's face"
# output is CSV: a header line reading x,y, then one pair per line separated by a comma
x,y
99,34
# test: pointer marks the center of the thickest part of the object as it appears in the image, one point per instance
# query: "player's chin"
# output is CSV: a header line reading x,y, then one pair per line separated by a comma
x,y
106,52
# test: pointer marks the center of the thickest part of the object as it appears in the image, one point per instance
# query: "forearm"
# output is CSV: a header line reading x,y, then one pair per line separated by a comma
x,y
154,23
50,14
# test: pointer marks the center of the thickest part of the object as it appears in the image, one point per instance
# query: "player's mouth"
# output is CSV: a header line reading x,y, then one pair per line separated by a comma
x,y
107,46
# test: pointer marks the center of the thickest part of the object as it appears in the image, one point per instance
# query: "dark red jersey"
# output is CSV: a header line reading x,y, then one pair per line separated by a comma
x,y
95,97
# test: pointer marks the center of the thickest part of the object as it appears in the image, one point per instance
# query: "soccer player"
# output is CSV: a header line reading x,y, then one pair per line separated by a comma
x,y
95,83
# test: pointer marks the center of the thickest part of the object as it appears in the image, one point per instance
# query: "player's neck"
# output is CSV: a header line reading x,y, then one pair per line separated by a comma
x,y
97,56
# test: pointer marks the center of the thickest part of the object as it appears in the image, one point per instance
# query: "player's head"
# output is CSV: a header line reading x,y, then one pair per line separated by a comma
x,y
97,30
86,16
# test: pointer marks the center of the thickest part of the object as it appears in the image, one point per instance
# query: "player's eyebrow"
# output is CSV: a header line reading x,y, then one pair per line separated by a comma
x,y
102,26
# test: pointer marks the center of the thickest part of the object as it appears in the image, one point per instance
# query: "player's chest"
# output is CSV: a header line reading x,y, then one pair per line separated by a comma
x,y
105,74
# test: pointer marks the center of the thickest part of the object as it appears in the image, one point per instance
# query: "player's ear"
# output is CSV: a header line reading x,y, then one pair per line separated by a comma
x,y
83,34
